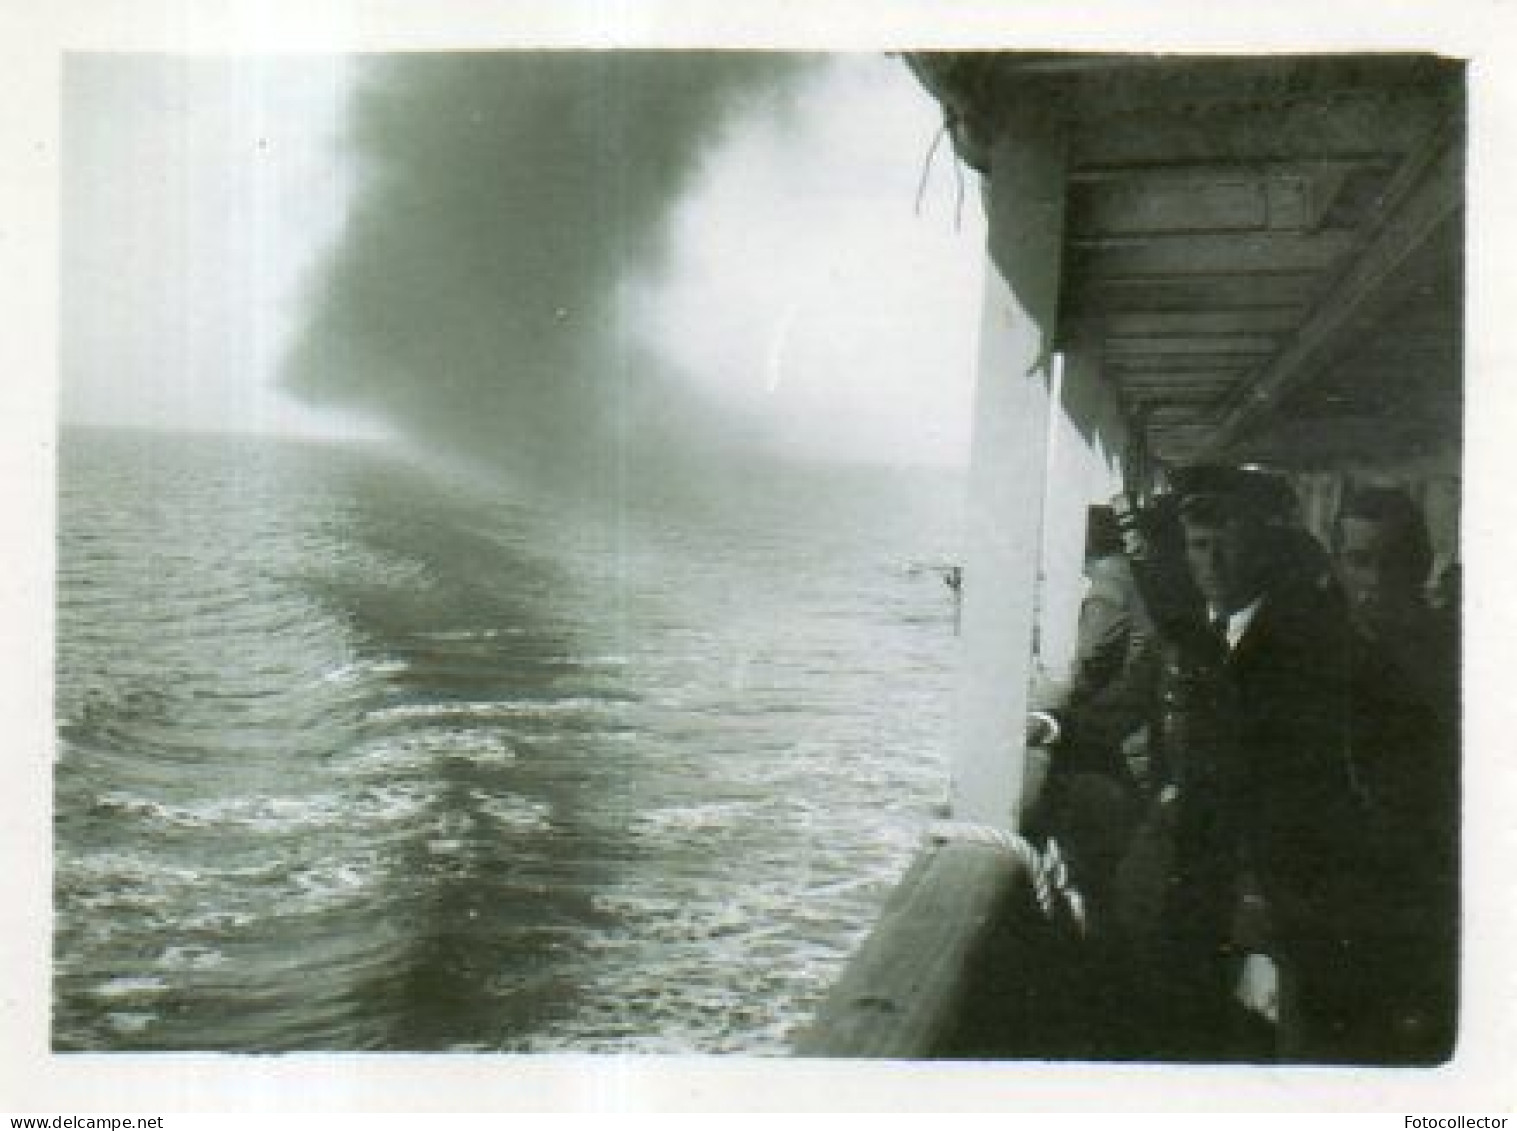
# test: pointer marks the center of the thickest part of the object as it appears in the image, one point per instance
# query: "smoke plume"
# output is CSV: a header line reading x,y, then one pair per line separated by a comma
x,y
478,298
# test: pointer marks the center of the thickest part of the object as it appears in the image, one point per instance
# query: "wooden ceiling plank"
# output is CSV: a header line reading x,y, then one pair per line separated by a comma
x,y
1183,395
1150,207
1369,128
1139,363
1213,253
1137,202
1172,405
1210,397
1422,210
1231,344
1199,292
1190,174
1184,385
1199,323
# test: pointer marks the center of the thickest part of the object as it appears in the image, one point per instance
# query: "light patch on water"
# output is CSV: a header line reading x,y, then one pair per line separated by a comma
x,y
417,750
130,1022
346,673
465,635
190,957
332,883
115,869
393,802
128,987
696,817
219,922
264,814
451,834
519,814
490,709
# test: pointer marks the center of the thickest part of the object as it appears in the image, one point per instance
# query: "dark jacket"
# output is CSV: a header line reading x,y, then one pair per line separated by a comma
x,y
1267,820
1404,724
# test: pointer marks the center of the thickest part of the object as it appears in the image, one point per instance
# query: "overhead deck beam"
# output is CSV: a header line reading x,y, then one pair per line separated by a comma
x,y
1220,363
1363,129
1202,388
1147,204
1193,174
1192,292
1421,213
1212,253
1119,346
1201,323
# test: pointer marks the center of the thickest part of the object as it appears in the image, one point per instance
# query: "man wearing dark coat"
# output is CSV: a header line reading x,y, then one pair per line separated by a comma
x,y
1257,791
1404,734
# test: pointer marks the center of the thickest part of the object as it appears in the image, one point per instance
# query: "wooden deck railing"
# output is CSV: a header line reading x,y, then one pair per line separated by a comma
x,y
906,993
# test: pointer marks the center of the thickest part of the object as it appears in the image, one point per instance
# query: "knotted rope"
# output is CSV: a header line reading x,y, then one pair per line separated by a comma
x,y
1047,869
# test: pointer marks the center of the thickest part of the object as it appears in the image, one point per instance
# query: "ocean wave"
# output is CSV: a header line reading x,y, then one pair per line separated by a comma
x,y
519,814
111,874
389,753
131,1022
331,884
220,921
490,709
695,817
190,957
130,987
268,814
330,736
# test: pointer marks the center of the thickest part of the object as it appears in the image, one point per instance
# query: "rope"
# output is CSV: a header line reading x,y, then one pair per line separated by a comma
x,y
972,832
958,199
1047,869
927,165
958,176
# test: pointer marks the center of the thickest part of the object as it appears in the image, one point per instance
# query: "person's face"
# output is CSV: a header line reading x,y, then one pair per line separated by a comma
x,y
1223,555
1375,579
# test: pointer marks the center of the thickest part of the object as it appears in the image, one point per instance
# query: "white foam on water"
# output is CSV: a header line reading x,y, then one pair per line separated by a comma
x,y
393,801
130,1022
520,814
269,814
389,802
333,883
346,673
190,957
489,709
219,921
130,986
697,817
468,634
417,750
118,870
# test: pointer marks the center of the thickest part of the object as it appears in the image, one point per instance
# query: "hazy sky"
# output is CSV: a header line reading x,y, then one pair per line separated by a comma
x,y
804,283
197,193
212,205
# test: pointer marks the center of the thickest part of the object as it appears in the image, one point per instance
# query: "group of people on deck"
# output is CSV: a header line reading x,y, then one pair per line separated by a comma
x,y
1254,778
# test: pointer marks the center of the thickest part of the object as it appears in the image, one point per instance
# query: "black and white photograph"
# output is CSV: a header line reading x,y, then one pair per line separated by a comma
x,y
580,685
847,559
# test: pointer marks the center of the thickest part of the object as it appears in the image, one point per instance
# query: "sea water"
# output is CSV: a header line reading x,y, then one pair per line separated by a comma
x,y
357,754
